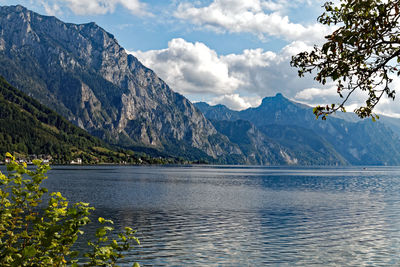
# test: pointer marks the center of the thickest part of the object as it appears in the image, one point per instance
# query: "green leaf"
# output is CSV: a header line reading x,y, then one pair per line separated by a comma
x,y
8,155
74,254
29,252
101,232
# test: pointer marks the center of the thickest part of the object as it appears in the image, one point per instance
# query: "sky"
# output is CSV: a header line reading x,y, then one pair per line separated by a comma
x,y
231,52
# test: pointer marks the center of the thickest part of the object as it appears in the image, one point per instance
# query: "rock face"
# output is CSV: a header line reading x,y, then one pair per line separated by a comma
x,y
29,128
85,75
279,146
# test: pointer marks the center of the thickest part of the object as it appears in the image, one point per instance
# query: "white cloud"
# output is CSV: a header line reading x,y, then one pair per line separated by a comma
x,y
85,7
190,68
237,80
324,96
53,9
241,80
387,105
236,102
294,48
266,73
263,18
310,94
284,5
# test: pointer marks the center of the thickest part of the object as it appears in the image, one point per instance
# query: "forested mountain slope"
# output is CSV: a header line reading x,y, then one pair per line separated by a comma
x,y
29,128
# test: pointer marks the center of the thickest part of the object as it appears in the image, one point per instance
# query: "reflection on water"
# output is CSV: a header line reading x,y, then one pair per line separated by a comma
x,y
246,215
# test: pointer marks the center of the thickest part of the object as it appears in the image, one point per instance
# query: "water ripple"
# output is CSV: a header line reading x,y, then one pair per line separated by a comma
x,y
251,216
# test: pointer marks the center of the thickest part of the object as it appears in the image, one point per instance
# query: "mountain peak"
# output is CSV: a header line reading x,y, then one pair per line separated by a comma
x,y
278,98
14,9
202,104
92,23
17,7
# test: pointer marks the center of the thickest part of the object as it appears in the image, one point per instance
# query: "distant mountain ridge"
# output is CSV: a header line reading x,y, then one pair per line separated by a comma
x,y
294,126
85,75
262,147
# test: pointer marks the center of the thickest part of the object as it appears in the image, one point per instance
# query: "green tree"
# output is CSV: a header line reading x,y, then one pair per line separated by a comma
x,y
34,236
363,53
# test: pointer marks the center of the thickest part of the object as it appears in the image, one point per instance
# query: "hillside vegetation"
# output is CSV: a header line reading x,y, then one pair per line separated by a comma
x,y
29,129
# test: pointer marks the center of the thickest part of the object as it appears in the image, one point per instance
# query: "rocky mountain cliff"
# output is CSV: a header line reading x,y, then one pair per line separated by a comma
x,y
29,129
278,145
85,75
293,125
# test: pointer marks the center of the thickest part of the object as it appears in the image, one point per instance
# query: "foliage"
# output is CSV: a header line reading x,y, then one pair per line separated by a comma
x,y
34,236
362,54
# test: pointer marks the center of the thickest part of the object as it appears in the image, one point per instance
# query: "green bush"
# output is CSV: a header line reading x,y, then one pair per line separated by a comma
x,y
34,236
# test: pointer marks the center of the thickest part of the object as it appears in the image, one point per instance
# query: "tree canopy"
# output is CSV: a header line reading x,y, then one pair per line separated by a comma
x,y
362,54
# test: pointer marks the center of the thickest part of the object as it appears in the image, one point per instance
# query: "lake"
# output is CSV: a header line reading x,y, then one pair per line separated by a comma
x,y
251,216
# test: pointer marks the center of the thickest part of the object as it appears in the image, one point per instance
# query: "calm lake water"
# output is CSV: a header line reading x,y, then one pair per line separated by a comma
x,y
251,216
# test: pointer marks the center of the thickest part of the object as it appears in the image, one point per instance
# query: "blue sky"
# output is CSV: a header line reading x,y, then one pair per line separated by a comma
x,y
233,52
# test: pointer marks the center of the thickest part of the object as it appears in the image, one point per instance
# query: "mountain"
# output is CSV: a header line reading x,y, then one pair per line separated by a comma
x,y
306,146
391,122
293,125
29,128
279,146
82,72
218,112
257,148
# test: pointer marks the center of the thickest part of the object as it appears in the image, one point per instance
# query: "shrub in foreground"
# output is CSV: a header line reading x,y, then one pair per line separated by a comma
x,y
43,236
